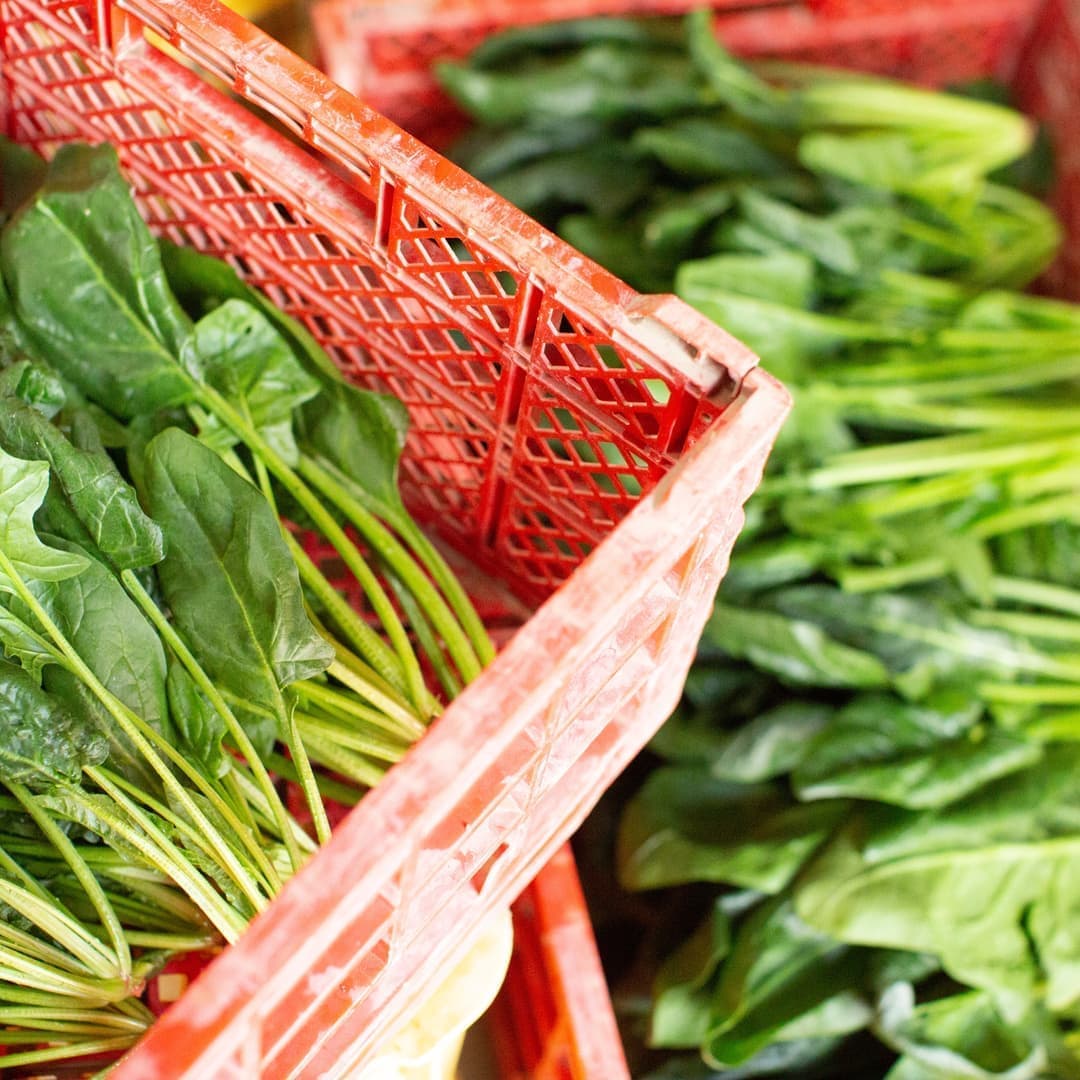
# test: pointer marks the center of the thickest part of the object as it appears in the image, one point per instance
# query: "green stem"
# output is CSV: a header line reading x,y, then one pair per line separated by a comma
x,y
431,559
1037,594
333,532
330,483
255,796
1062,725
1057,508
102,1018
23,971
22,943
148,939
1046,627
1031,693
327,731
410,727
94,892
331,789
146,740
333,700
860,579
925,457
304,773
343,761
158,850
236,730
360,636
69,1050
191,836
425,635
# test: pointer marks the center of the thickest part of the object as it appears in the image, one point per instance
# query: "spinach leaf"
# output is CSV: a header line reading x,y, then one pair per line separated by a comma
x,y
772,743
21,174
685,825
961,1035
198,723
919,637
706,149
34,384
41,743
996,914
111,635
910,755
229,579
783,979
202,283
23,485
237,350
102,501
362,434
793,649
99,308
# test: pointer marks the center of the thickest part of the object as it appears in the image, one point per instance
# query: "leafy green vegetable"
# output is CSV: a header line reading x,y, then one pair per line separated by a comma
x,y
685,825
228,576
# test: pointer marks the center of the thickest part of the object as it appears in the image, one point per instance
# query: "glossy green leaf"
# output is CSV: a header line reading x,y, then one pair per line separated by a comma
x,y
111,635
197,722
41,743
795,650
783,976
910,755
773,743
362,434
685,825
23,485
103,502
994,908
681,997
238,351
99,307
229,579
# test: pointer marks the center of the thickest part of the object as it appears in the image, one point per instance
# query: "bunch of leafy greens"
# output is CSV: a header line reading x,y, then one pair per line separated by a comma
x,y
868,800
168,642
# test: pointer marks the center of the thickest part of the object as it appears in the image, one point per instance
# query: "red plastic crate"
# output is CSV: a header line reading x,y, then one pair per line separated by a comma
x,y
385,56
553,1019
546,397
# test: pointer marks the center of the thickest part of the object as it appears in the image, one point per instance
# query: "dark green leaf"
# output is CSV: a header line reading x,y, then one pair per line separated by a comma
x,y
21,174
917,756
994,904
795,650
40,741
681,1002
773,743
98,308
685,825
959,1036
784,980
111,635
605,81
703,148
229,578
237,350
783,277
602,179
34,384
922,642
362,435
104,503
197,722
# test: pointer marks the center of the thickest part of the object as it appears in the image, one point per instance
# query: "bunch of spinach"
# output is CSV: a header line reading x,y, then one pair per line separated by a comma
x,y
868,799
169,640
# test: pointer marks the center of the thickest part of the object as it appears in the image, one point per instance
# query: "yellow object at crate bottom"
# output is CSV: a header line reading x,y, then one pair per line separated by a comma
x,y
429,1047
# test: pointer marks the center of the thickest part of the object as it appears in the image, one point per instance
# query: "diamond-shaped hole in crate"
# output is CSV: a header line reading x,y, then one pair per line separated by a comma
x,y
436,254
